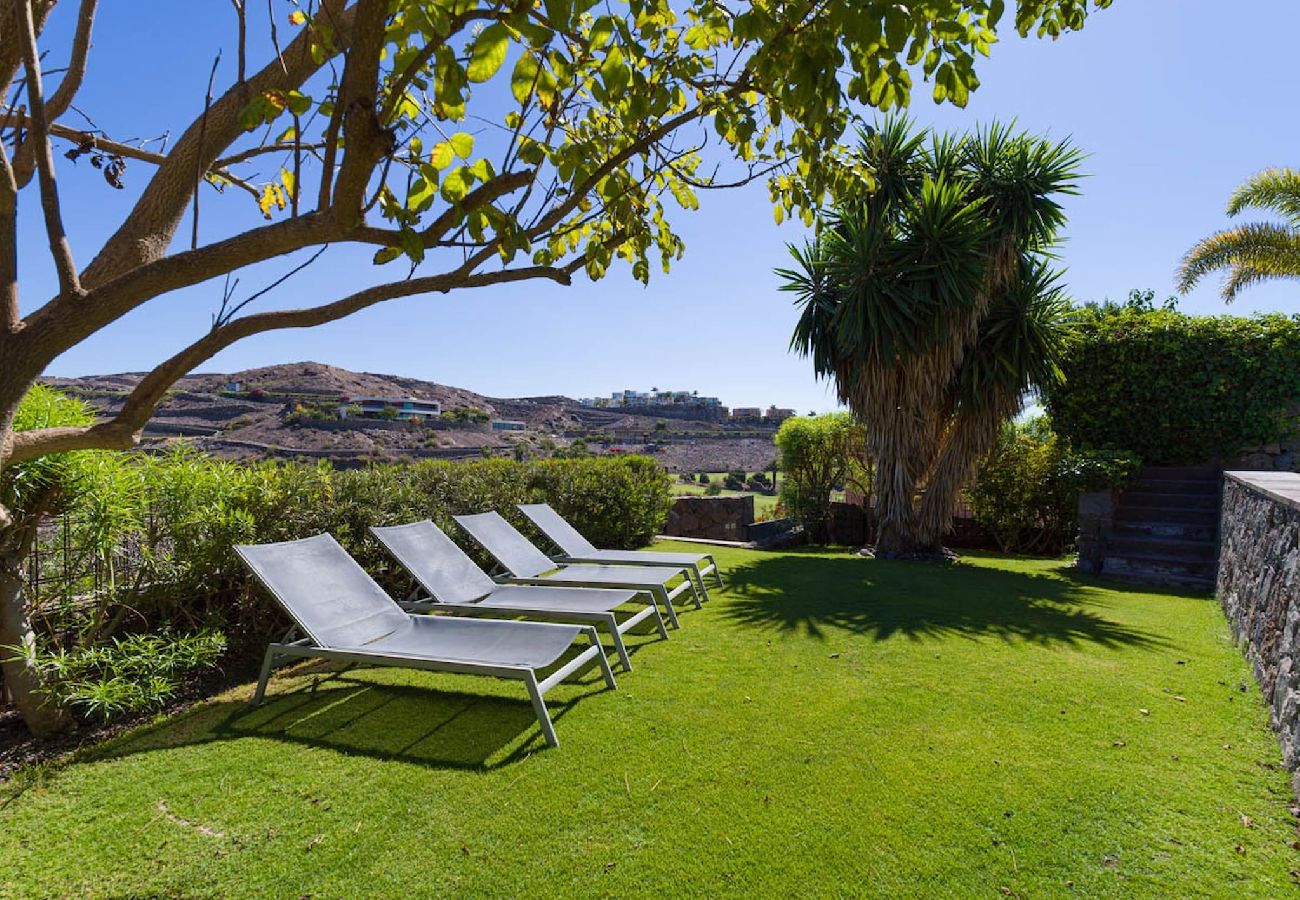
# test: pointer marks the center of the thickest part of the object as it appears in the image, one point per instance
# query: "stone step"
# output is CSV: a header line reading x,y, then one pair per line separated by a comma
x,y
1149,500
1189,531
1197,473
1135,563
1191,582
1162,546
1175,486
1166,515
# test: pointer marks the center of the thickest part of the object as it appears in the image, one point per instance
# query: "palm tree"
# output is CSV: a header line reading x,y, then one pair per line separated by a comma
x,y
930,303
1255,252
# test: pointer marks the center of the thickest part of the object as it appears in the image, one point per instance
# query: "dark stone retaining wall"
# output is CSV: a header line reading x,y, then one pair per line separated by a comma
x,y
711,518
1259,587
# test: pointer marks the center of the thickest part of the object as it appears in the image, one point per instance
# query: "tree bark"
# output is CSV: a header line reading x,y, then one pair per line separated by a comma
x,y
42,716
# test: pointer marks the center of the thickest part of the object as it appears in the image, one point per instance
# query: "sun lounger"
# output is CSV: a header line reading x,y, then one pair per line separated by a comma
x,y
574,548
525,564
347,617
452,581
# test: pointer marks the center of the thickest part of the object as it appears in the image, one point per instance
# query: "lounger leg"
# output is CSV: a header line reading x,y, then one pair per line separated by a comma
x,y
659,620
600,657
661,595
699,581
695,593
717,572
612,624
268,663
539,707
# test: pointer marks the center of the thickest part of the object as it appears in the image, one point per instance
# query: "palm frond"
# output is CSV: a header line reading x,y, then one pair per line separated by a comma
x,y
1276,189
1265,248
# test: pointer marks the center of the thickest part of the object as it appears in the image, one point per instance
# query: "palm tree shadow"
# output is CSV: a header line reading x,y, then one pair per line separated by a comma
x,y
357,715
919,601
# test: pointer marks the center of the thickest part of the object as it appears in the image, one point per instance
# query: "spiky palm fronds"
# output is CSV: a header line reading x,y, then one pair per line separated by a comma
x,y
1256,252
914,299
1260,251
1275,189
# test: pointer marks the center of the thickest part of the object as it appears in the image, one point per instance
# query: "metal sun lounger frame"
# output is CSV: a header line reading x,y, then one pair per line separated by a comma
x,y
525,564
573,547
454,582
350,580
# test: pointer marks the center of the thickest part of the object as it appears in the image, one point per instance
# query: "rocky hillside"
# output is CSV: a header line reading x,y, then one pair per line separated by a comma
x,y
288,410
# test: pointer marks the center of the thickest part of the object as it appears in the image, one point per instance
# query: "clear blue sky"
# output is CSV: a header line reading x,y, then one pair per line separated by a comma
x,y
1175,100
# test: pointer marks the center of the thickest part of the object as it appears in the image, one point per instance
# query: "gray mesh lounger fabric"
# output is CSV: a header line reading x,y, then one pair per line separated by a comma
x,y
577,549
528,565
447,574
349,618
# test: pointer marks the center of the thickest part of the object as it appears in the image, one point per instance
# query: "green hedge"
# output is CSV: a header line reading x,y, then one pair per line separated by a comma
x,y
148,539
1177,389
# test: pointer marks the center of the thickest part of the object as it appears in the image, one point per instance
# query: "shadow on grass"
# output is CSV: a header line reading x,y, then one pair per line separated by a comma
x,y
355,715
920,601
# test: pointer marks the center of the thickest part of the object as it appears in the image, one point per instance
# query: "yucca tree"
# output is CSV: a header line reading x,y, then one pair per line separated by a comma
x,y
931,304
1257,251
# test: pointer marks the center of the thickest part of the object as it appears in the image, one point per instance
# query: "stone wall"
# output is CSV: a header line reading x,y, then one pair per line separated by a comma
x,y
1096,518
1259,587
712,518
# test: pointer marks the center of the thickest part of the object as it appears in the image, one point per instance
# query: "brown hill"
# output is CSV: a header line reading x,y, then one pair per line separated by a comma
x,y
265,417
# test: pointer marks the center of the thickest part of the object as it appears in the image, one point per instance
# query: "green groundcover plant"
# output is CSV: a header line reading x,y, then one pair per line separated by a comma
x,y
1175,388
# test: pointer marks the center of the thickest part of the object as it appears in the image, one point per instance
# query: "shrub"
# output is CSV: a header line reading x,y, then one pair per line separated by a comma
x,y
1027,492
1174,388
127,675
144,544
819,454
704,478
713,490
733,481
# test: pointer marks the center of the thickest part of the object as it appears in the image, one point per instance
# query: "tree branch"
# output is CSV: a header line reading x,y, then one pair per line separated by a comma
x,y
39,141
147,231
123,430
9,315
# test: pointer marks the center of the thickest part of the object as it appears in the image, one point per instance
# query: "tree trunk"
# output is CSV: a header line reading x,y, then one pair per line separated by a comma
x,y
42,716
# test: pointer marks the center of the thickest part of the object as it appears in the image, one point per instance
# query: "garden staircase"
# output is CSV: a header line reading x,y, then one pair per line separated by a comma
x,y
1165,528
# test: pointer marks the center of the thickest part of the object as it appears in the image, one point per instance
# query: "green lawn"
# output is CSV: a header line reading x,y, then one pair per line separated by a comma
x,y
828,725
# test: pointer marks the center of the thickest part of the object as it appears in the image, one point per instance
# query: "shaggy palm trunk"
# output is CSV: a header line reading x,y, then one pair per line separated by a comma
x,y
968,440
41,716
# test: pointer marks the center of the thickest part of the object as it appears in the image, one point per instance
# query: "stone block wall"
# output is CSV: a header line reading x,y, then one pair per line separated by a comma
x,y
712,518
1259,587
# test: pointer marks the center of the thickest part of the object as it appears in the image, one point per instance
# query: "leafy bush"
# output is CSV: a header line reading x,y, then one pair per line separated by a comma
x,y
1174,388
126,675
712,490
733,481
144,543
1027,492
704,478
819,454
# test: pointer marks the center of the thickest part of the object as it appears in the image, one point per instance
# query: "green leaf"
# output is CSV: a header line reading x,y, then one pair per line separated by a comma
x,y
897,26
614,72
442,155
297,103
386,255
529,75
489,52
456,184
462,143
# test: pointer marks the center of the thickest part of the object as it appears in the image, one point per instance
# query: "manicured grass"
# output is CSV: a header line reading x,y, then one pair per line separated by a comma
x,y
828,725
